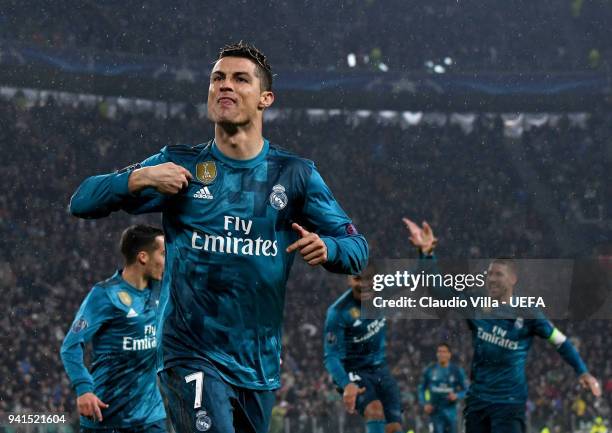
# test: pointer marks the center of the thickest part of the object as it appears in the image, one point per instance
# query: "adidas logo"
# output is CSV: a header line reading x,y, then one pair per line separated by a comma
x,y
203,193
131,313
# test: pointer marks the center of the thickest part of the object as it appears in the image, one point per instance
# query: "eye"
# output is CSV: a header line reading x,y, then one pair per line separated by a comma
x,y
242,80
216,78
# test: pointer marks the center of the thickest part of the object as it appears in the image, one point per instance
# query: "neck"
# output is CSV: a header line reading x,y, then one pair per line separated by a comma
x,y
239,142
444,364
134,276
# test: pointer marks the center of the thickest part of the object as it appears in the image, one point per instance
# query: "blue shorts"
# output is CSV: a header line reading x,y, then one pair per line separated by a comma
x,y
444,420
199,400
482,417
379,385
155,427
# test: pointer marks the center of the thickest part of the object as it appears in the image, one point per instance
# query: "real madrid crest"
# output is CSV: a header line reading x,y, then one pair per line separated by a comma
x,y
203,421
518,323
206,172
278,198
125,298
355,313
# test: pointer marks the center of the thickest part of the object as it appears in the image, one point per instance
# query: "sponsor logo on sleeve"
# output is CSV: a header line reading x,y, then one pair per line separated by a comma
x,y
79,325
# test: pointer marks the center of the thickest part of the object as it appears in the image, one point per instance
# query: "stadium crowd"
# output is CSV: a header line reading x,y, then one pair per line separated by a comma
x,y
464,184
518,35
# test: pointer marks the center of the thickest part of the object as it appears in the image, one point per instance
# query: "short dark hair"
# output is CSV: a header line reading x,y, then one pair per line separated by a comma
x,y
508,262
444,345
248,51
137,238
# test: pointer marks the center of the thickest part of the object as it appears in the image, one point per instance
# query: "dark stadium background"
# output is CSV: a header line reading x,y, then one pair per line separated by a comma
x,y
492,120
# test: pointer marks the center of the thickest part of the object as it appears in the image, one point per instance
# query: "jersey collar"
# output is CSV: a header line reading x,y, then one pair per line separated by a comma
x,y
244,163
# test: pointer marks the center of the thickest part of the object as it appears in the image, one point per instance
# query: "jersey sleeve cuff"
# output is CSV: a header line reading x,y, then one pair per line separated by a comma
x,y
119,184
343,382
83,388
332,248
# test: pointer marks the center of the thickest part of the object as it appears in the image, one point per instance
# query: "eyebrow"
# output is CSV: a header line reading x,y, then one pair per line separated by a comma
x,y
233,73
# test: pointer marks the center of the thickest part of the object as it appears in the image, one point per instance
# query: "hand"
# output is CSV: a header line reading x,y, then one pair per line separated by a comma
x,y
311,246
167,178
428,408
422,238
451,396
589,382
351,391
90,406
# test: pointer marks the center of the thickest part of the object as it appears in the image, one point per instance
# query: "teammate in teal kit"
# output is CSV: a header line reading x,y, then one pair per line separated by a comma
x,y
497,393
118,316
443,384
235,210
354,355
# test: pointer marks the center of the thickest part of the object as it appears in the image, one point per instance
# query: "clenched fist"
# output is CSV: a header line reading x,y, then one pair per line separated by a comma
x,y
167,178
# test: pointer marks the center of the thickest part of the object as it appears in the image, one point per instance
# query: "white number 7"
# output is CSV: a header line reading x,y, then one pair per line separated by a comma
x,y
199,380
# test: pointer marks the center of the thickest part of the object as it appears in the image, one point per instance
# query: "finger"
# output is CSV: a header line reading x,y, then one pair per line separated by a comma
x,y
98,413
407,221
319,252
102,404
317,261
186,173
184,181
298,244
311,246
426,227
301,230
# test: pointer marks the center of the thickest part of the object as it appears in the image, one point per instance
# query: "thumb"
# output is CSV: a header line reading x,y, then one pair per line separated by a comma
x,y
299,229
102,404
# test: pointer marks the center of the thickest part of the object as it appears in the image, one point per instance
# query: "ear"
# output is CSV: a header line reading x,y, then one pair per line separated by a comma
x,y
513,279
266,99
142,258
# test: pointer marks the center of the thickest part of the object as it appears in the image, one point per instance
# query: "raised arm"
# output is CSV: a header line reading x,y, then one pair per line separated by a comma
x,y
139,188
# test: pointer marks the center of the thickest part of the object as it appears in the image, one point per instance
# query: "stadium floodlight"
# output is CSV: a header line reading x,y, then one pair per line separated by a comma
x,y
351,59
439,69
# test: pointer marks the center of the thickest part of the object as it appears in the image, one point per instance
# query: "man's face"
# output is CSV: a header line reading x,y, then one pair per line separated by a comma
x,y
500,281
443,354
235,96
154,267
362,285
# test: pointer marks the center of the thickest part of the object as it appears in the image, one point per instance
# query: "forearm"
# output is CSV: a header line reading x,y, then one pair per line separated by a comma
x,y
346,254
81,379
570,355
337,371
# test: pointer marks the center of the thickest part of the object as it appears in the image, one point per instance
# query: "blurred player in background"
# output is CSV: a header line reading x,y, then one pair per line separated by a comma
x,y
497,394
442,386
118,317
235,210
354,355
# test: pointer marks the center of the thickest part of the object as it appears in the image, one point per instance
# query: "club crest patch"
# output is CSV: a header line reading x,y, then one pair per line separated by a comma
x,y
203,421
125,298
206,172
278,198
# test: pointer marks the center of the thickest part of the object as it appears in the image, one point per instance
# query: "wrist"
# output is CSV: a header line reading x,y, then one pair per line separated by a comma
x,y
139,179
